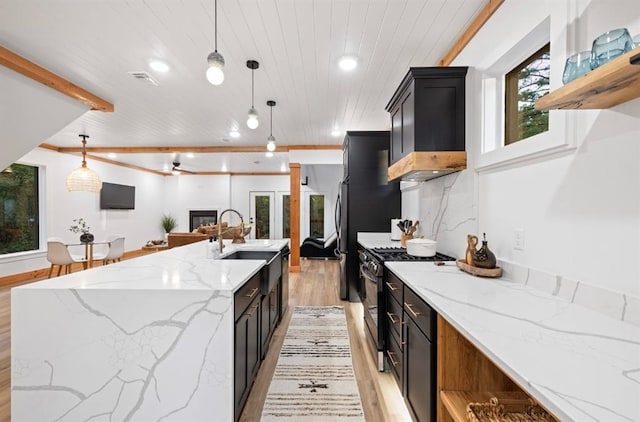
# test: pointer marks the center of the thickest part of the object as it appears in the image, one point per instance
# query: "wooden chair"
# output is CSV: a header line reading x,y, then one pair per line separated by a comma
x,y
58,254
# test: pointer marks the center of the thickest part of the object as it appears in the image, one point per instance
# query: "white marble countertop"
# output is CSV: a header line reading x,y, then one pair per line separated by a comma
x,y
579,364
182,268
377,240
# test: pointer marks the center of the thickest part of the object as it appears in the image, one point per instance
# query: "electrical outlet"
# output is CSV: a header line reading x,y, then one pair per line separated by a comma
x,y
518,239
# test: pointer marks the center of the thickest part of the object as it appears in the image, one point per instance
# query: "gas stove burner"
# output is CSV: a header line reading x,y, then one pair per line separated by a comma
x,y
400,254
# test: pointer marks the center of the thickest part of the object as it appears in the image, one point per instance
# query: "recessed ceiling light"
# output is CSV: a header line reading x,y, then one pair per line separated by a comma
x,y
336,132
234,133
435,172
190,155
112,155
223,168
283,168
159,66
268,154
348,63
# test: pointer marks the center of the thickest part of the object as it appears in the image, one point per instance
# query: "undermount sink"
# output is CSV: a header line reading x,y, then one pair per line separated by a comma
x,y
270,273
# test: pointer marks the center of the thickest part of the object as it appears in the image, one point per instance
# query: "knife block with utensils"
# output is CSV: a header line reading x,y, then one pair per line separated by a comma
x,y
403,239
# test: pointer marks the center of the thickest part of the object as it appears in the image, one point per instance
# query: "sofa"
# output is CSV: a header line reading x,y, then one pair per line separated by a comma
x,y
313,248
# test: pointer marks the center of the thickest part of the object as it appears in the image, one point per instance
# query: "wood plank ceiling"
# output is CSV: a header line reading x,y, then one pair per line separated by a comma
x,y
94,44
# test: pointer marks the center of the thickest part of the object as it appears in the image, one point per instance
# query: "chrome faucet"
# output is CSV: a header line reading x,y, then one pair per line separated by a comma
x,y
220,244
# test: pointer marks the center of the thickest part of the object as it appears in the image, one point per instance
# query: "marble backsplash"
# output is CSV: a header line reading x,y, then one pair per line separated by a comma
x,y
448,212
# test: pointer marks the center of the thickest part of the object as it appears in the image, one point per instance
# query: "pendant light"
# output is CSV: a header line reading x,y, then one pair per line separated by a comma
x,y
271,140
83,179
215,74
252,118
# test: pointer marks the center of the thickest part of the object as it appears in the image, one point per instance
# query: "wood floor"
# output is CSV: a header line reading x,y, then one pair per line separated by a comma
x,y
316,284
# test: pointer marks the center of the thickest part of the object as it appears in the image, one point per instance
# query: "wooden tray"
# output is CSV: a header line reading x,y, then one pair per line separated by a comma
x,y
477,271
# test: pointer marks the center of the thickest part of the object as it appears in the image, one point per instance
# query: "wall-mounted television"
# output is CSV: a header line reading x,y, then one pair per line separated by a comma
x,y
117,197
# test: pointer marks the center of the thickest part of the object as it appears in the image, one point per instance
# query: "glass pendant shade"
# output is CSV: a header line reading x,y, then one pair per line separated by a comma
x,y
252,120
215,73
271,144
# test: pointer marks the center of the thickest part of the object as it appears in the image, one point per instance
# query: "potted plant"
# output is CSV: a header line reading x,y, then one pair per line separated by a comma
x,y
81,226
169,223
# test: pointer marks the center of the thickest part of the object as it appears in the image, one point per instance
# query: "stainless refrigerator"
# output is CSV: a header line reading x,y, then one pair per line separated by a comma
x,y
366,201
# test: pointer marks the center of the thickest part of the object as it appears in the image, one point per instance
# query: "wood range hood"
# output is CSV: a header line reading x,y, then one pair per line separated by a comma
x,y
419,166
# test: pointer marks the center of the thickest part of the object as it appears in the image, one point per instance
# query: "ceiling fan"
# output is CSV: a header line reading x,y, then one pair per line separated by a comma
x,y
176,169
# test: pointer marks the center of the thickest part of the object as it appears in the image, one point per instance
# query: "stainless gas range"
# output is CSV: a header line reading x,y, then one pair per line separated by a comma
x,y
372,279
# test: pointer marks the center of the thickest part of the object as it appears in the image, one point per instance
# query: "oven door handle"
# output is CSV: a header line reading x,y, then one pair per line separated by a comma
x,y
367,274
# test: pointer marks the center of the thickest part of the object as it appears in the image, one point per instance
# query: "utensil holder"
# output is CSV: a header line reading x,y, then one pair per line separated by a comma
x,y
403,239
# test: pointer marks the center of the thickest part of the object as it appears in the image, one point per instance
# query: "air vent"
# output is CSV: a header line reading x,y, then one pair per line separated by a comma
x,y
144,77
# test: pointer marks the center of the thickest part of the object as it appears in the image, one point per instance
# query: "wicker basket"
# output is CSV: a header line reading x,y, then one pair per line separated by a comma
x,y
507,410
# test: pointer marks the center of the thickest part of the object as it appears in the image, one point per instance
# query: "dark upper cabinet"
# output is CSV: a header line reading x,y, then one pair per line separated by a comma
x,y
428,117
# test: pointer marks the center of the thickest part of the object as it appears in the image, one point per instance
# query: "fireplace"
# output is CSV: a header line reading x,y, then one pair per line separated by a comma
x,y
198,218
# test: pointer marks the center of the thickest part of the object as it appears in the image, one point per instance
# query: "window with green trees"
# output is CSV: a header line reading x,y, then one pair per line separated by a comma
x,y
316,216
19,222
523,86
262,211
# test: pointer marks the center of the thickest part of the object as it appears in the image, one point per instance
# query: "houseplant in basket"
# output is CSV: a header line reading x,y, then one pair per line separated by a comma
x,y
81,226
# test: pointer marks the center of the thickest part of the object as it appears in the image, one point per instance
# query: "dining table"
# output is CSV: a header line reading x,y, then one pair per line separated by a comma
x,y
88,250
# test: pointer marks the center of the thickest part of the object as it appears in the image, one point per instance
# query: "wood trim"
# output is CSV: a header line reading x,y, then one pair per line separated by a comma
x,y
130,166
194,149
613,83
42,273
294,212
471,31
443,162
31,70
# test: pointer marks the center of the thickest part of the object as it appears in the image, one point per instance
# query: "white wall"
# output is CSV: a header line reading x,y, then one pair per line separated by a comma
x,y
61,207
185,193
23,102
325,180
580,211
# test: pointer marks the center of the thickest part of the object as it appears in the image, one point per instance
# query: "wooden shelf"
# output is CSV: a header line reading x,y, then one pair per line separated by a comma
x,y
613,83
456,401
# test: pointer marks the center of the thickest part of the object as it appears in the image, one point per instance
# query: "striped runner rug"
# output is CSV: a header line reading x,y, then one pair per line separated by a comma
x,y
314,379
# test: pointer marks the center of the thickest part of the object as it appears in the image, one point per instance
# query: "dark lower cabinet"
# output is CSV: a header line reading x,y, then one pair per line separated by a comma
x,y
419,377
247,301
269,318
410,347
247,353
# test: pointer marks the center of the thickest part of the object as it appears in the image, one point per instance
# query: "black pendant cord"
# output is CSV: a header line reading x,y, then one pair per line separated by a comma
x,y
252,88
215,20
271,123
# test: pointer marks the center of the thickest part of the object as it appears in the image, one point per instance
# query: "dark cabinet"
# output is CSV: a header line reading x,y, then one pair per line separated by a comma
x,y
269,318
247,330
428,111
419,379
410,347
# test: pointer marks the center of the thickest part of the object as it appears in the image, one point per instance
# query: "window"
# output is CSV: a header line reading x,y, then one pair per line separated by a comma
x,y
286,216
262,212
316,216
523,86
19,223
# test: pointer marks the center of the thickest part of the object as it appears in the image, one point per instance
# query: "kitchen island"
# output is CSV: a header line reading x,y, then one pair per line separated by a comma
x,y
579,364
146,339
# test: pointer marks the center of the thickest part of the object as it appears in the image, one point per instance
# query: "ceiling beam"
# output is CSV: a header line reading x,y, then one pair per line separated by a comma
x,y
471,31
130,166
31,70
194,149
